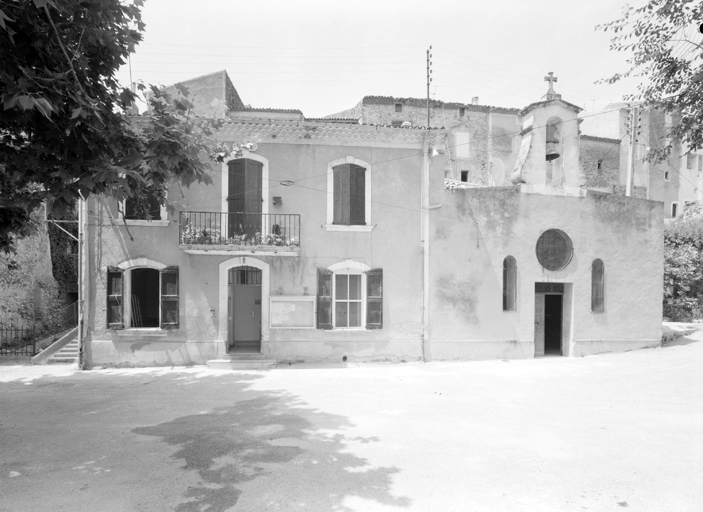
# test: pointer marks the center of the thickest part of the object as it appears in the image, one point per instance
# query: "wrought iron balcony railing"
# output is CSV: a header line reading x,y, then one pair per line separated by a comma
x,y
240,229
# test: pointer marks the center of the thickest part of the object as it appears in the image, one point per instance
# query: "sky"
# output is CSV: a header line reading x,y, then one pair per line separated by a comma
x,y
324,56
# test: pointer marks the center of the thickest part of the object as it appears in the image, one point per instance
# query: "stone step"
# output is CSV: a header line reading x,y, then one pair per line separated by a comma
x,y
241,363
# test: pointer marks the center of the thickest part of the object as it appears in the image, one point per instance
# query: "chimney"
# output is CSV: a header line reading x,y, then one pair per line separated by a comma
x,y
474,100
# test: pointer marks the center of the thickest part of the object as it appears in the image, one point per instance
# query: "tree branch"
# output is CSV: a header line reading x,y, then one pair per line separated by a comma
x,y
65,53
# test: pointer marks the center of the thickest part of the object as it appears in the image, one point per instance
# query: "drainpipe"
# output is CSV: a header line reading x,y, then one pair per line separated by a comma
x,y
82,205
424,233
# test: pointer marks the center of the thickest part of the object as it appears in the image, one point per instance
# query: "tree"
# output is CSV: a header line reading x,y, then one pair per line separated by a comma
x,y
64,131
664,55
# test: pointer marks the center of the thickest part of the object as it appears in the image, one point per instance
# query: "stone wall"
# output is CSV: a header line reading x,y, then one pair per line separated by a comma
x,y
599,162
28,291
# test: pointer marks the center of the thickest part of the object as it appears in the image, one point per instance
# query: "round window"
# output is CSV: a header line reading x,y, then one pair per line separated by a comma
x,y
554,249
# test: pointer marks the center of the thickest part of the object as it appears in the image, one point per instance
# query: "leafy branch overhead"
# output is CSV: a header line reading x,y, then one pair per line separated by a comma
x,y
664,43
64,129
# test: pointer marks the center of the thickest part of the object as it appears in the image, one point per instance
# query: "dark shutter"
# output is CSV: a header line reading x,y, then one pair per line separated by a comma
x,y
324,298
357,187
374,299
597,286
235,186
341,194
169,298
115,295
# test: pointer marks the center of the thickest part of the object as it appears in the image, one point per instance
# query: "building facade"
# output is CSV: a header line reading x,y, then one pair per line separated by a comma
x,y
333,240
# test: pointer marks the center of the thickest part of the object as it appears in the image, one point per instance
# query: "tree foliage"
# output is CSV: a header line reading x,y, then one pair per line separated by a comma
x,y
683,267
666,54
64,131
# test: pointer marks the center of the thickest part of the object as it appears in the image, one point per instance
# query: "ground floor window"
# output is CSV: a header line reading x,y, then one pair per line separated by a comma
x,y
142,298
349,299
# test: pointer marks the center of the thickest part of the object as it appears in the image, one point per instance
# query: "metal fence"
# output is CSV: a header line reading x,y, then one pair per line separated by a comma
x,y
18,341
216,228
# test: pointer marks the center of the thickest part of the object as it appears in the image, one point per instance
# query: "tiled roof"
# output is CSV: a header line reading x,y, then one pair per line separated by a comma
x,y
347,120
421,102
599,139
306,131
454,184
276,110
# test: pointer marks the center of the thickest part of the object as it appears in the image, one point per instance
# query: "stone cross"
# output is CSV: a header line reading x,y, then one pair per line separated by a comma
x,y
551,79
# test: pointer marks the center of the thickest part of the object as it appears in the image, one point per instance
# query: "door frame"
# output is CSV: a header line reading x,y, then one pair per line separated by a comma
x,y
567,311
225,266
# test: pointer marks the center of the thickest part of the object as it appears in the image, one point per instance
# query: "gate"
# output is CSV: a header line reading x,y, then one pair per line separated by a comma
x,y
18,341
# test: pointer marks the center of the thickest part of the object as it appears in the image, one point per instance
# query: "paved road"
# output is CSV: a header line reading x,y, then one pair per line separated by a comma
x,y
609,432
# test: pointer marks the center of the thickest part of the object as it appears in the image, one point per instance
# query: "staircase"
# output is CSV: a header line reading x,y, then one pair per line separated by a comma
x,y
62,351
68,354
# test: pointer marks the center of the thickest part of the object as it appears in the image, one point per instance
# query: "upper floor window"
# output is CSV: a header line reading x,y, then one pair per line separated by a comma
x,y
597,286
348,198
153,209
154,213
349,192
398,107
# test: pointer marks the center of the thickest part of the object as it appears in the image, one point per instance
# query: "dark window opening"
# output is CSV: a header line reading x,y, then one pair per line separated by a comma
x,y
153,208
398,107
600,164
666,175
673,210
462,111
145,297
465,176
397,124
509,284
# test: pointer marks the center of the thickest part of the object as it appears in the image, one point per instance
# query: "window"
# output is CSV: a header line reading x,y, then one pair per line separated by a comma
x,y
690,159
509,284
397,124
600,164
349,298
554,249
464,176
142,297
462,111
398,107
153,209
597,286
674,207
666,175
349,188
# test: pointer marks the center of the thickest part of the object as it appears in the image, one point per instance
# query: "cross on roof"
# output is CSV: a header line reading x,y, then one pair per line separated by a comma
x,y
551,79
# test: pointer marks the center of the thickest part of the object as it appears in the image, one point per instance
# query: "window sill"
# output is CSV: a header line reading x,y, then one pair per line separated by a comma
x,y
338,227
149,223
155,332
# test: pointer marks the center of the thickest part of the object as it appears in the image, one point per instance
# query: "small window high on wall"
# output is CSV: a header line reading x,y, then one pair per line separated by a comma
x,y
509,284
597,286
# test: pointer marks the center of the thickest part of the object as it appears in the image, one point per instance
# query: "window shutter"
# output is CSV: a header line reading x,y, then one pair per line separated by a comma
x,y
115,302
341,195
597,286
357,186
374,299
169,298
324,298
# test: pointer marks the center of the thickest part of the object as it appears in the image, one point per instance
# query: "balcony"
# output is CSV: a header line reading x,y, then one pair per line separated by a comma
x,y
239,233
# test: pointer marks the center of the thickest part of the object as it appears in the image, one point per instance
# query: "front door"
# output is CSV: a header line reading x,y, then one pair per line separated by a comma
x,y
244,310
552,324
548,318
244,197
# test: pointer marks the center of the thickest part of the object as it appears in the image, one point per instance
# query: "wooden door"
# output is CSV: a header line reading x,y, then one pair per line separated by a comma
x,y
539,324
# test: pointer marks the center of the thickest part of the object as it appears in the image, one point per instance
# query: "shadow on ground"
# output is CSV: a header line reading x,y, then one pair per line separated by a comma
x,y
295,453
